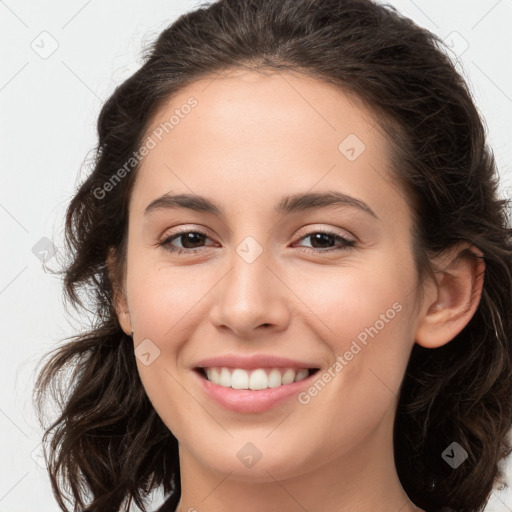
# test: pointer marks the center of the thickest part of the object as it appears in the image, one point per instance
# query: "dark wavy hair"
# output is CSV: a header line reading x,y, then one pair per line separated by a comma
x,y
108,447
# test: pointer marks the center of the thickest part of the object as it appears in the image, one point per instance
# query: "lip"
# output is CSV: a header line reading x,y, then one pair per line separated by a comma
x,y
247,400
254,361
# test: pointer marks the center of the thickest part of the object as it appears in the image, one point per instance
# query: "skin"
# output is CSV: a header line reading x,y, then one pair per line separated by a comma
x,y
251,139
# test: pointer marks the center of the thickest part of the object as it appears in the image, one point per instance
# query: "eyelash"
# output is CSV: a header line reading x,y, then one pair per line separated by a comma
x,y
166,243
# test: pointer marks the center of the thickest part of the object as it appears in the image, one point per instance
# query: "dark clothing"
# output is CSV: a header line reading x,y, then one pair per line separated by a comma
x,y
170,504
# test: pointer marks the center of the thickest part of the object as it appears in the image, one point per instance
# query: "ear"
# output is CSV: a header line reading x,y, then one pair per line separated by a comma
x,y
456,295
119,296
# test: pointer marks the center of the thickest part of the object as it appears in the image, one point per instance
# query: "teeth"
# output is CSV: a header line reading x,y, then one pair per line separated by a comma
x,y
274,378
301,374
239,379
288,377
256,379
225,378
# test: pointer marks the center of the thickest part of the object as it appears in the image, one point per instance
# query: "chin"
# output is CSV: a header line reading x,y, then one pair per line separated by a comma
x,y
242,461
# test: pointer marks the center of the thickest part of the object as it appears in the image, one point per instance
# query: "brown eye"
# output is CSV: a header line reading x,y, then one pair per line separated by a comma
x,y
190,241
324,241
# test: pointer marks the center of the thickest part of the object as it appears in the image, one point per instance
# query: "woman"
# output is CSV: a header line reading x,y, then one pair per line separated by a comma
x,y
301,272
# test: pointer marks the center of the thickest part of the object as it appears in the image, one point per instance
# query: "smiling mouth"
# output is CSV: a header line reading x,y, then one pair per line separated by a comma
x,y
254,379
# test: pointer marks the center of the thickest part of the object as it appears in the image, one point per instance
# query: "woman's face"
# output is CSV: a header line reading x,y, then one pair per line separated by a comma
x,y
263,165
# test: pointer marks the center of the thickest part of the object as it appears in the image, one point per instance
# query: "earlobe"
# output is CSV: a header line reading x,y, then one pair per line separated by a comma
x,y
459,284
119,298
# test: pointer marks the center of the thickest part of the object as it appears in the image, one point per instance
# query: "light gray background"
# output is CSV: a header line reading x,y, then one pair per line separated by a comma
x,y
49,106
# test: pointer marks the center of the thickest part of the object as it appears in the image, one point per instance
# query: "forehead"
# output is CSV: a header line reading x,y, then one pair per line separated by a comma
x,y
240,103
269,131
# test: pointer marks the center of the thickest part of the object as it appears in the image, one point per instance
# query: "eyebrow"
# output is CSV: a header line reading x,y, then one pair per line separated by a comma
x,y
288,203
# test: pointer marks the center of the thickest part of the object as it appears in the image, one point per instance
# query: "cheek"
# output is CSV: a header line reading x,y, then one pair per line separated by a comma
x,y
161,296
363,315
371,343
355,300
170,399
166,305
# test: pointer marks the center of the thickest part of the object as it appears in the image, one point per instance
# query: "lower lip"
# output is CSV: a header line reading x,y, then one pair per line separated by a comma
x,y
252,401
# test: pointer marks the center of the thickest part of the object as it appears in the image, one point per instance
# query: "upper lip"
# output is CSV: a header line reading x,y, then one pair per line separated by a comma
x,y
251,362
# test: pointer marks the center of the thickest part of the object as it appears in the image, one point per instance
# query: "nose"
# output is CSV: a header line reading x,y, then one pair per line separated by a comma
x,y
251,299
